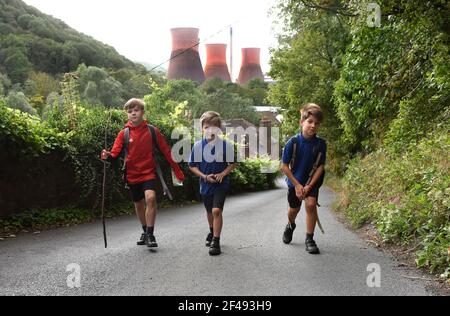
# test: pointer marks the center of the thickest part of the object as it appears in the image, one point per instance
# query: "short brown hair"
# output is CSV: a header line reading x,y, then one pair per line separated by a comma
x,y
213,118
134,103
311,109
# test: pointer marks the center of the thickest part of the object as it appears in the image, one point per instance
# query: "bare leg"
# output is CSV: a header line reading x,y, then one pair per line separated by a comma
x,y
210,218
150,213
140,211
311,215
292,214
218,222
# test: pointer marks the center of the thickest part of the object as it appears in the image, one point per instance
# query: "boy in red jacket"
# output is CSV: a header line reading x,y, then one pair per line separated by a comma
x,y
141,168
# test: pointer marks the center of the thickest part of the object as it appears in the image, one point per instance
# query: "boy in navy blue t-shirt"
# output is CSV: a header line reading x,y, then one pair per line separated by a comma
x,y
303,185
212,159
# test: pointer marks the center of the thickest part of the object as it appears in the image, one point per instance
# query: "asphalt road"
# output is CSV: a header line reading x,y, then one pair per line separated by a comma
x,y
255,262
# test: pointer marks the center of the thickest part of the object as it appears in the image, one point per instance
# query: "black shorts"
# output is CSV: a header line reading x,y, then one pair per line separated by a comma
x,y
137,191
217,200
295,202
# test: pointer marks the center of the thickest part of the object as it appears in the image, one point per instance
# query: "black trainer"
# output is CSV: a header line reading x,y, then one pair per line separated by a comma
x,y
209,240
311,247
151,242
288,233
142,241
215,249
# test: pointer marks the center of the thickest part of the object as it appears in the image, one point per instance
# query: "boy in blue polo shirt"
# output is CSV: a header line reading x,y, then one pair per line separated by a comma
x,y
310,153
212,159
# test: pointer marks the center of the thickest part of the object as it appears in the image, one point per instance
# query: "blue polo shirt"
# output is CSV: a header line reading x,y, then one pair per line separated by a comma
x,y
307,153
204,157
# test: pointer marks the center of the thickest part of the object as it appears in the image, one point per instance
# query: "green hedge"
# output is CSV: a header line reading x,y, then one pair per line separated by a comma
x,y
407,197
79,136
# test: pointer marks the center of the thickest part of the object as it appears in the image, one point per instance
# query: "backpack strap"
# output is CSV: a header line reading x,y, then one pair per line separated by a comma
x,y
294,153
126,143
158,167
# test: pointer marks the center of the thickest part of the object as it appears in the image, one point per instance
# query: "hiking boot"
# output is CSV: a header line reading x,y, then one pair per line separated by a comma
x,y
209,240
288,233
311,247
215,249
142,241
151,242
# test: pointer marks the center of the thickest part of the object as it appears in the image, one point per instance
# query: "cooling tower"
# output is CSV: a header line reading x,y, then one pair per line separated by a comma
x,y
185,60
251,65
216,62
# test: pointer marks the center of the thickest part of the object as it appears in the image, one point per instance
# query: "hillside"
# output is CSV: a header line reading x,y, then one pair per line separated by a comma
x,y
33,41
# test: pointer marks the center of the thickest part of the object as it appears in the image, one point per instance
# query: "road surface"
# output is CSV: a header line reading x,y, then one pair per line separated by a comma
x,y
255,262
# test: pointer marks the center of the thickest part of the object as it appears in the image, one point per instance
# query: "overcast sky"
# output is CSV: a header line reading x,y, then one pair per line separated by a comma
x,y
140,29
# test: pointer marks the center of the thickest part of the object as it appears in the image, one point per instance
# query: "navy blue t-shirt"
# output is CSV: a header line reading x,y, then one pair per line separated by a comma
x,y
307,153
204,157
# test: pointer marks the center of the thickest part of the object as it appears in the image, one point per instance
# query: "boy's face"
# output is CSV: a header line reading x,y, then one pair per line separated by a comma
x,y
135,115
210,131
310,126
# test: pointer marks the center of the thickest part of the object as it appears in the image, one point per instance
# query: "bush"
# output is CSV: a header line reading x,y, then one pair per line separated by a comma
x,y
407,196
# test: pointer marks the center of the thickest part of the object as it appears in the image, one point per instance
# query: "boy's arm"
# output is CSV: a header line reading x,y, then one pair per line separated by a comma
x,y
219,177
229,148
196,171
285,167
319,172
115,151
167,152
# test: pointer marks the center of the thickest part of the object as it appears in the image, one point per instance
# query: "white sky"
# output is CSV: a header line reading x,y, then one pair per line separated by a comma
x,y
140,29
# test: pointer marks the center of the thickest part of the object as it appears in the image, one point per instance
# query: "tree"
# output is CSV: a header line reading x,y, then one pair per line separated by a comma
x,y
137,87
44,84
96,86
18,100
17,65
229,105
5,84
306,66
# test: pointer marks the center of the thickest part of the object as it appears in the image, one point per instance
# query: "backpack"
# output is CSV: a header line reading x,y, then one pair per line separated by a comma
x,y
126,143
317,155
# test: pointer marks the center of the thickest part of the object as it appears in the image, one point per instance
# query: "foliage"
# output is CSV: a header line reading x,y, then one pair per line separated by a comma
x,y
386,94
18,100
407,196
306,65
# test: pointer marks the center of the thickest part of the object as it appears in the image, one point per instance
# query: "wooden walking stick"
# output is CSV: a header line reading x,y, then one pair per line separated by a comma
x,y
104,184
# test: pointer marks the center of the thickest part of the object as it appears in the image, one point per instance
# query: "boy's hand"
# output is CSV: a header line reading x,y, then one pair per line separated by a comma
x,y
211,178
219,177
299,191
306,190
105,154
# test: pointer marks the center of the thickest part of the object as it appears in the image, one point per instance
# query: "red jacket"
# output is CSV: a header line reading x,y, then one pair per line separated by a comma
x,y
140,164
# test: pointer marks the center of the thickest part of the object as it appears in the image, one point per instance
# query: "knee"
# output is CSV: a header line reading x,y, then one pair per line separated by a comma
x,y
217,212
150,199
311,206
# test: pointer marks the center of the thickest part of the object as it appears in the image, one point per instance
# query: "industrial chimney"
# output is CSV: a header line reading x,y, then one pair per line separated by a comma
x,y
185,59
251,65
216,62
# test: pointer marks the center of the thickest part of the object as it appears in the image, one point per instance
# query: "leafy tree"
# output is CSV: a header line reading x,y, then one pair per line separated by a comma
x,y
96,86
17,65
18,100
229,105
5,84
306,66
